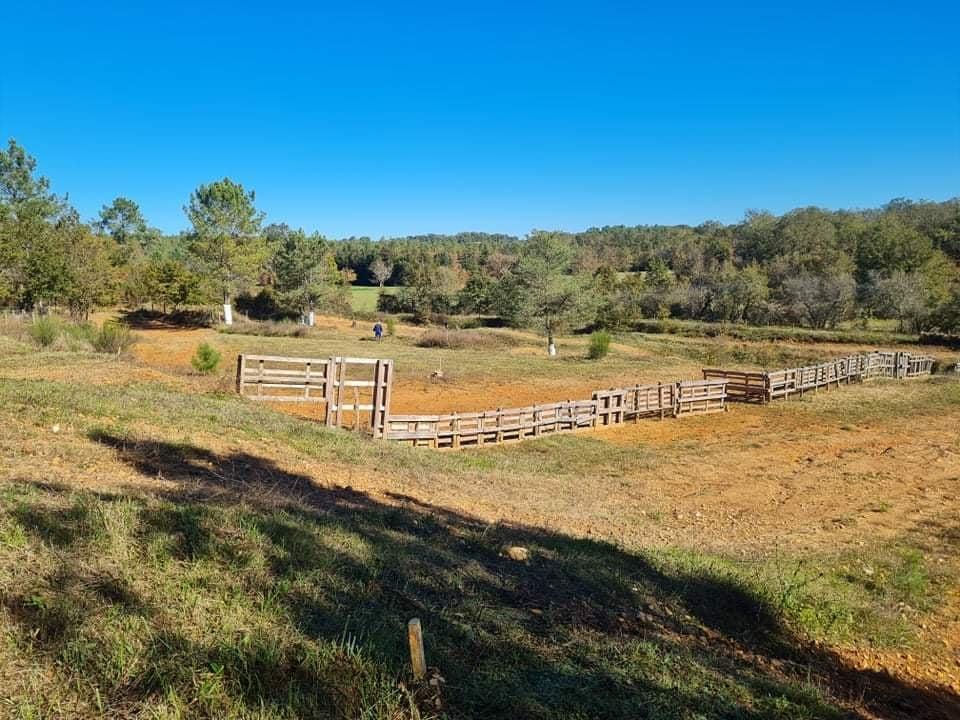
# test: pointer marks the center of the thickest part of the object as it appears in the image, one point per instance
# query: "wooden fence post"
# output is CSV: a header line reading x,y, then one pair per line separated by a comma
x,y
377,399
241,362
330,377
417,656
341,386
387,392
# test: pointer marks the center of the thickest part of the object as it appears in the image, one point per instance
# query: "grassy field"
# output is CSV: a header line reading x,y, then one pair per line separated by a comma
x,y
364,298
168,550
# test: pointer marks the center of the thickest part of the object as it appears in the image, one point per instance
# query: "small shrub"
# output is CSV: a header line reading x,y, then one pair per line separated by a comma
x,y
206,359
389,303
599,345
114,338
45,330
391,326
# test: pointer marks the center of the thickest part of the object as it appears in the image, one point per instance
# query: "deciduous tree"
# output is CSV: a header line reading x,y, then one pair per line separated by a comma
x,y
381,271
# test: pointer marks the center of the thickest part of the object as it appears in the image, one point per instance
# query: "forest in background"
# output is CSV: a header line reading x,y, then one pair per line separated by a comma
x,y
808,267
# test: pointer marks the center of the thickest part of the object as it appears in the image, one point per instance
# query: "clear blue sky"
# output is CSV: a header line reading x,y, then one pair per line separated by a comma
x,y
388,119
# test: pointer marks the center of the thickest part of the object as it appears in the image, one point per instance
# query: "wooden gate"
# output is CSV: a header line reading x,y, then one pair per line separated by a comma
x,y
342,384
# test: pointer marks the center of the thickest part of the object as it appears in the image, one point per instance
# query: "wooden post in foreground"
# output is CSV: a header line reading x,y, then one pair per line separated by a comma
x,y
417,657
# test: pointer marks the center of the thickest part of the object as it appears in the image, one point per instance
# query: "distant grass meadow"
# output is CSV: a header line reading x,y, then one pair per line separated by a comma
x,y
363,298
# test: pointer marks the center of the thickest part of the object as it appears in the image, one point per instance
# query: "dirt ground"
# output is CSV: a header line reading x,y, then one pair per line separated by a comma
x,y
755,472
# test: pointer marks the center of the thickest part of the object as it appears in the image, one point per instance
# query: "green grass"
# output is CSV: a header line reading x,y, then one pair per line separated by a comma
x,y
364,298
168,554
212,599
199,605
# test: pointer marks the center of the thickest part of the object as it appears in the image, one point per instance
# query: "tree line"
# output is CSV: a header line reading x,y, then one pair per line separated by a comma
x,y
810,266
49,256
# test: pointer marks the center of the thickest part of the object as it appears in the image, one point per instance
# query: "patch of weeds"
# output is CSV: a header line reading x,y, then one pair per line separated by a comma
x,y
12,533
44,330
114,338
856,598
599,345
910,580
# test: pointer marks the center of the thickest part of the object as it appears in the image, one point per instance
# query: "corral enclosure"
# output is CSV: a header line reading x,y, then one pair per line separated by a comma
x,y
287,379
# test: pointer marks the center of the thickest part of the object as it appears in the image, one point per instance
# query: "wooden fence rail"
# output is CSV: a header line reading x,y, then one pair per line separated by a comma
x,y
491,427
744,386
275,378
606,407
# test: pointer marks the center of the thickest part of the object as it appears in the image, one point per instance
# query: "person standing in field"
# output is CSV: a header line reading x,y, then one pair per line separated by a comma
x,y
378,331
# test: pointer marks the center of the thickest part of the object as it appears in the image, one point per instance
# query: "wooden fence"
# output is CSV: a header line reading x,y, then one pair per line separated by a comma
x,y
332,381
606,407
491,427
744,386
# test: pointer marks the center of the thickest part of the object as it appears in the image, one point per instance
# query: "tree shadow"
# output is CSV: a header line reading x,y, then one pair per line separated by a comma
x,y
580,628
143,319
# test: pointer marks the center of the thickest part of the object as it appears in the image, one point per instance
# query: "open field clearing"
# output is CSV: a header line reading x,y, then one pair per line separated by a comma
x,y
168,549
364,299
479,362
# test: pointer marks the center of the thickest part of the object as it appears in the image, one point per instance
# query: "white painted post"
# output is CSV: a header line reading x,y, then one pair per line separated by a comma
x,y
311,318
227,314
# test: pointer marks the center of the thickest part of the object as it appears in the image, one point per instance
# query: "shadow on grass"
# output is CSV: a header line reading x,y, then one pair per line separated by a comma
x,y
143,319
579,629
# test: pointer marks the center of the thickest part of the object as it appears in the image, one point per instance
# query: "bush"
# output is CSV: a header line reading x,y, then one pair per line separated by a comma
x,y
944,339
599,345
389,303
113,337
391,326
262,306
45,330
206,359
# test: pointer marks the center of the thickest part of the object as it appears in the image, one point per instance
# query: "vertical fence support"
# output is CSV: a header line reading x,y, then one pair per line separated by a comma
x,y
241,366
418,659
329,394
382,383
